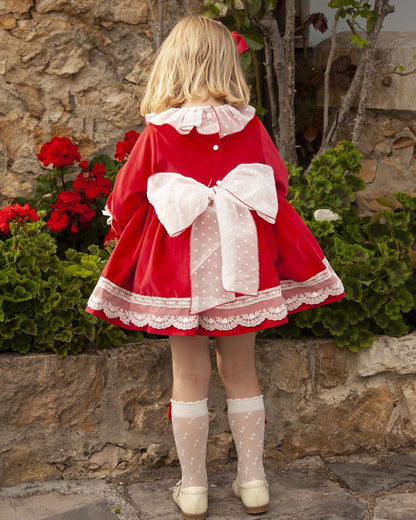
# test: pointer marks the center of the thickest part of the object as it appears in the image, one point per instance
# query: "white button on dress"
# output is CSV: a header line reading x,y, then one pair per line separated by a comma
x,y
215,147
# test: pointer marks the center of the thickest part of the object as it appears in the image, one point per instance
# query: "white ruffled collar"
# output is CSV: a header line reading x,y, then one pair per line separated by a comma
x,y
223,119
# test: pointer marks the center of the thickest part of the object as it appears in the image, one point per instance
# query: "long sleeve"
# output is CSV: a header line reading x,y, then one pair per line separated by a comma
x,y
131,182
273,159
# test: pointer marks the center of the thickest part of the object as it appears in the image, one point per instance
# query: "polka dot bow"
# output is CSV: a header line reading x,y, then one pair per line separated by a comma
x,y
224,250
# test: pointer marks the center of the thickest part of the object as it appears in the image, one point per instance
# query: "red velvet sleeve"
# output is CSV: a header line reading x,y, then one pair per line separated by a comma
x,y
131,182
273,159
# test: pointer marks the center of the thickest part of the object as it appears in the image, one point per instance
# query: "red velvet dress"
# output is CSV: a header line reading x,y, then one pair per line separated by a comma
x,y
149,281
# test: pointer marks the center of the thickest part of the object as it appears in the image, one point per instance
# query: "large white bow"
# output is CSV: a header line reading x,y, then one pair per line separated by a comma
x,y
224,250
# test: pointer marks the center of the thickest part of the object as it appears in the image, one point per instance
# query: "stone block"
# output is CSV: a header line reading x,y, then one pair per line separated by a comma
x,y
372,478
358,422
66,399
68,63
409,395
7,22
15,6
127,11
388,355
368,170
76,6
333,365
55,506
18,463
112,460
288,368
396,507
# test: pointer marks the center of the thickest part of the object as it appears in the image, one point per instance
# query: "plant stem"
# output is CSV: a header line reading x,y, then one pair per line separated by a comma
x,y
270,28
327,74
383,8
61,170
289,94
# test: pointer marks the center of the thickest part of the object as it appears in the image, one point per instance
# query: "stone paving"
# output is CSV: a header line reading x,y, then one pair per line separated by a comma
x,y
368,487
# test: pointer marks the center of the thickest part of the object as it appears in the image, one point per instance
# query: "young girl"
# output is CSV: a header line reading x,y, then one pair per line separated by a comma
x,y
208,246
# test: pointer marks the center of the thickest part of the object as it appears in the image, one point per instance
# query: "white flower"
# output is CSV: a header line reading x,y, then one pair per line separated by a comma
x,y
325,214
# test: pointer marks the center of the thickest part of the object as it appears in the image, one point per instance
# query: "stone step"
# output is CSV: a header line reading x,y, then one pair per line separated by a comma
x,y
55,506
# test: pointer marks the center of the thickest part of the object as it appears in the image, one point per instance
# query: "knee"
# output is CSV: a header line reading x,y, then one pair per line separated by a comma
x,y
193,374
235,373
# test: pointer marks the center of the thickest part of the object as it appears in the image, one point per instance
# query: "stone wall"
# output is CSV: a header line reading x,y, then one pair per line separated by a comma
x,y
392,108
70,68
105,412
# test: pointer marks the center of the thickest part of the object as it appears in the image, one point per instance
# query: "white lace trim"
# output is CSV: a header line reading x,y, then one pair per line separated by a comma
x,y
248,311
190,322
313,291
223,120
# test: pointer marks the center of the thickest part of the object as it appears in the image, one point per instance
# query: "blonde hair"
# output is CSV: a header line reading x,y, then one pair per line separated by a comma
x,y
197,60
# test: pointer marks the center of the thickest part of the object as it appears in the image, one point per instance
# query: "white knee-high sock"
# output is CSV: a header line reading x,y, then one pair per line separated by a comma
x,y
246,418
190,429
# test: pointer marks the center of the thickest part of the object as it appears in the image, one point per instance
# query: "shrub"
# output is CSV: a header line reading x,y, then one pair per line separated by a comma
x,y
43,296
372,256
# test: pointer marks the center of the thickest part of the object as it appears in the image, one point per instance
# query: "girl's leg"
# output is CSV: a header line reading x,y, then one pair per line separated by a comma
x,y
236,365
191,364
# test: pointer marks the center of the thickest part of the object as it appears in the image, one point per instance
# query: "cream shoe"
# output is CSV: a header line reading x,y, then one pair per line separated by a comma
x,y
192,501
253,494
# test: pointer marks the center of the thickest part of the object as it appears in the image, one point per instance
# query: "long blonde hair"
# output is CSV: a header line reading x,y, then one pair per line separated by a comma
x,y
197,60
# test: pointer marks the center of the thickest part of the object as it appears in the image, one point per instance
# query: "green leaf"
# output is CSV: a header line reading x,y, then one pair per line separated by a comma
x,y
270,5
396,328
335,321
353,290
254,7
19,295
398,272
370,24
65,336
4,279
77,271
358,40
405,299
238,4
246,62
254,41
389,203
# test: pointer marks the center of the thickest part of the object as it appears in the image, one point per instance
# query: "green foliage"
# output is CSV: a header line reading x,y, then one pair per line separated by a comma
x,y
372,256
352,11
43,296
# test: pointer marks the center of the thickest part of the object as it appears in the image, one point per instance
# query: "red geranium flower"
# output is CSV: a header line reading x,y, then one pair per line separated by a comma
x,y
83,165
16,213
124,148
58,221
93,183
59,152
69,206
240,42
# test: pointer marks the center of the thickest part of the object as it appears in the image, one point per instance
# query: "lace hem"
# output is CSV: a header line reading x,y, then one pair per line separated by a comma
x,y
313,291
160,313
